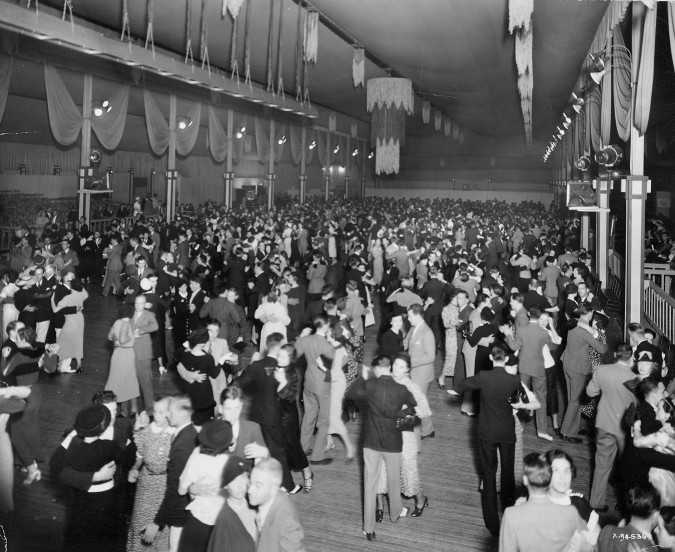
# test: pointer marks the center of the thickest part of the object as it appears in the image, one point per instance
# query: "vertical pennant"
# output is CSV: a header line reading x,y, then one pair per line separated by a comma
x,y
311,37
426,112
358,66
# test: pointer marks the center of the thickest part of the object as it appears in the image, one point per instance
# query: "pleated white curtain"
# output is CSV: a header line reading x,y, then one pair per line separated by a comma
x,y
321,138
622,92
281,135
158,130
295,143
6,63
262,133
594,103
645,77
217,137
65,118
109,127
606,101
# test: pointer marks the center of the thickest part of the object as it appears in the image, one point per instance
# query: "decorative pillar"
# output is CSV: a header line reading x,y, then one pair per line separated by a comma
x,y
229,183
604,187
229,175
171,172
364,157
86,142
326,174
585,230
348,165
271,177
303,166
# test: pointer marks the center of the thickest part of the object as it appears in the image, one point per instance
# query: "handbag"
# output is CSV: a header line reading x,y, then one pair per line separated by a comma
x,y
518,396
407,420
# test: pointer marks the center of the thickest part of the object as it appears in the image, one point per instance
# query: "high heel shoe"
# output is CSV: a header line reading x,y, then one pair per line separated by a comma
x,y
417,512
309,482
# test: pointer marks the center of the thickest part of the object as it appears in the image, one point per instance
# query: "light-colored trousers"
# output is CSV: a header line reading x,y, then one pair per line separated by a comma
x,y
371,472
607,447
317,409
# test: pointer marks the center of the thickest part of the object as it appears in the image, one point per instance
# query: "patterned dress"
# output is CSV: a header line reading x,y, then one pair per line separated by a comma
x,y
153,444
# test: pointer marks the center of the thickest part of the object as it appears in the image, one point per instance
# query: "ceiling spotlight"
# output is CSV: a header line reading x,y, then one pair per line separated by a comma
x,y
184,122
583,163
312,145
567,121
371,155
609,156
561,131
104,107
281,141
355,152
337,149
577,108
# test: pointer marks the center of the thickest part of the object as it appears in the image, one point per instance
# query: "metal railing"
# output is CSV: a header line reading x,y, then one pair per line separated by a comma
x,y
659,310
661,274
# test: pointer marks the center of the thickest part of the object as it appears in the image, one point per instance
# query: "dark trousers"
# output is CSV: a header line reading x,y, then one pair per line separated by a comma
x,y
144,375
195,536
24,429
276,443
487,455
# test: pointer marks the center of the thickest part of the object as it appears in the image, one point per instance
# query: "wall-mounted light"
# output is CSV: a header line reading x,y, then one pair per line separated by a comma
x,y
281,141
341,170
355,152
609,156
312,145
184,122
336,149
566,121
371,155
104,107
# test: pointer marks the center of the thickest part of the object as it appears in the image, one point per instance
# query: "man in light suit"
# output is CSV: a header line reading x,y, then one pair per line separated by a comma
x,y
577,367
144,323
608,382
278,524
529,341
421,346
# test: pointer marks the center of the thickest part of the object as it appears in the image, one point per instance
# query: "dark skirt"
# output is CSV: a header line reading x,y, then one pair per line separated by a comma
x,y
93,522
290,423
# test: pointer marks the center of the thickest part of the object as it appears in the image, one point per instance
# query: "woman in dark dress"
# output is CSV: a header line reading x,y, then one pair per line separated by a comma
x,y
180,316
196,367
92,517
481,338
290,420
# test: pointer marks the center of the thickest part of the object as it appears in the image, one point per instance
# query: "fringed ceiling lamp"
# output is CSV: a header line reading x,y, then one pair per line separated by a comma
x,y
389,100
520,24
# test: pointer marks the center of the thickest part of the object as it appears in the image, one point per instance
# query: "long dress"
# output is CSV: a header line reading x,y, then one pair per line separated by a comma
x,y
275,319
113,269
153,445
71,338
122,376
338,386
378,264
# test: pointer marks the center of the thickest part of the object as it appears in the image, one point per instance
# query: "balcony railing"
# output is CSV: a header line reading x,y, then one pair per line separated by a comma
x,y
659,310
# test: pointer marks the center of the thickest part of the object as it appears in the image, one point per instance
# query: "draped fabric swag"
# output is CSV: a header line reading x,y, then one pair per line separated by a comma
x,y
65,117
594,103
622,92
217,137
6,63
645,77
158,127
520,25
295,143
606,101
322,147
262,138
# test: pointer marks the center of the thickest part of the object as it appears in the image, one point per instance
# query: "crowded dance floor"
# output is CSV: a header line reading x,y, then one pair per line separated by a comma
x,y
253,301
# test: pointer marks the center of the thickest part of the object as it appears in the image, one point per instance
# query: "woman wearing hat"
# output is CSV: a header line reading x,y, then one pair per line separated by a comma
x,y
91,518
205,464
235,527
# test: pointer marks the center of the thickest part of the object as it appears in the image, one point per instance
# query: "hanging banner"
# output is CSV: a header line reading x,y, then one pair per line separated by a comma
x,y
358,66
438,120
232,6
310,43
426,112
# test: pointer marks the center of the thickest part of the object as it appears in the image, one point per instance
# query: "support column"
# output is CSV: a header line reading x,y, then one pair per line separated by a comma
x,y
348,165
604,187
303,166
326,174
271,177
171,172
585,230
229,174
86,142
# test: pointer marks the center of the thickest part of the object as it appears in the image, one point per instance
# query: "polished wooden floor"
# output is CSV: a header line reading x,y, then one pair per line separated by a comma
x,y
331,514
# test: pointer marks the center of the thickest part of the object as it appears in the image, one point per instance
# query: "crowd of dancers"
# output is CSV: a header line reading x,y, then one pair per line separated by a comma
x,y
262,317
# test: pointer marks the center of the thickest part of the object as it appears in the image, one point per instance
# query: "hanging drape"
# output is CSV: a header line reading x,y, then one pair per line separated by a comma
x,y
262,138
671,29
156,125
616,10
65,118
217,137
322,147
6,63
645,77
280,141
158,130
109,127
606,101
309,152
520,25
295,143
622,91
593,107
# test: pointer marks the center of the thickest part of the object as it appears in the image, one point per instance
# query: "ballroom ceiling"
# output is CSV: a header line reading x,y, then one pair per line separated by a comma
x,y
457,52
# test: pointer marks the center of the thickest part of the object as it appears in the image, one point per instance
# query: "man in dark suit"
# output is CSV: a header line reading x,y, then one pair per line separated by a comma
x,y
434,293
391,341
383,401
277,520
230,315
172,511
259,383
496,431
297,299
197,299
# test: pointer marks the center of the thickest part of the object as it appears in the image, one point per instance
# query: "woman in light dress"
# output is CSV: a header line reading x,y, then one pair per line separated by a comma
x,y
340,339
122,376
274,317
411,485
153,443
71,338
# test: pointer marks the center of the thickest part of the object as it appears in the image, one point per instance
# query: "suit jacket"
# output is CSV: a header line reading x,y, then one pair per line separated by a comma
x,y
438,291
172,509
145,324
249,432
313,346
281,531
495,420
608,382
230,316
575,358
529,341
421,346
198,301
262,390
